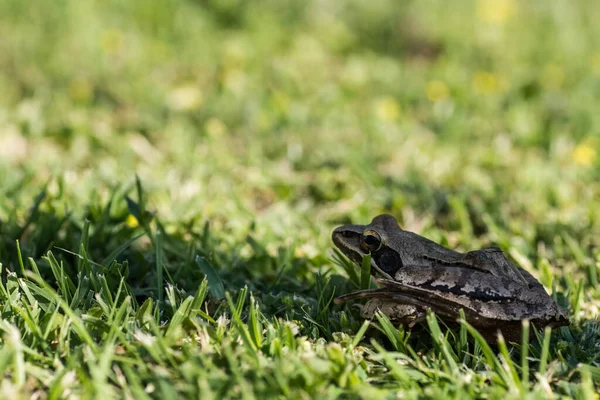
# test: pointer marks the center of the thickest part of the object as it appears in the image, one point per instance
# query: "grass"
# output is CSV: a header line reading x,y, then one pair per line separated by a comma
x,y
170,174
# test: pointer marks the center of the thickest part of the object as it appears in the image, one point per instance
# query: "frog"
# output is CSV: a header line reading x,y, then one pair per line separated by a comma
x,y
416,274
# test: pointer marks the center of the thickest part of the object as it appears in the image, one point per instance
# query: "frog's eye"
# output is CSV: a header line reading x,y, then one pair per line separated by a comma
x,y
371,241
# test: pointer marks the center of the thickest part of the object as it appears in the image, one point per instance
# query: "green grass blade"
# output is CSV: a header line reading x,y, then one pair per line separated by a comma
x,y
545,350
215,284
159,272
365,272
525,354
20,258
119,250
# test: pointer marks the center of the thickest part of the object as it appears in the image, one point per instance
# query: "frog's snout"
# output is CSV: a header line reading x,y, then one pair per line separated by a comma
x,y
346,236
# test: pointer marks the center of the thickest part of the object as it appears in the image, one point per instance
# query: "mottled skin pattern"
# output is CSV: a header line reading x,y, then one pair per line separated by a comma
x,y
417,274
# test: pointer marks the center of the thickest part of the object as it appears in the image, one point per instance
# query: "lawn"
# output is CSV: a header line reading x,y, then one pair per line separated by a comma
x,y
171,173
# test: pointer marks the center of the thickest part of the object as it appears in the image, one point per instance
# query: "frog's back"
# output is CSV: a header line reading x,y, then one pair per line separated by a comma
x,y
416,249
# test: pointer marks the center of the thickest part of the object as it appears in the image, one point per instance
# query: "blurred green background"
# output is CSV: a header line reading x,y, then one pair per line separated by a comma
x,y
306,109
474,122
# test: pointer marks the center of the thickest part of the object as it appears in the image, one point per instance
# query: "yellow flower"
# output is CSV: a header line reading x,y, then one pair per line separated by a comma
x,y
552,76
584,154
280,101
355,74
131,221
595,63
436,91
185,98
80,89
111,41
387,109
215,127
235,52
485,83
495,11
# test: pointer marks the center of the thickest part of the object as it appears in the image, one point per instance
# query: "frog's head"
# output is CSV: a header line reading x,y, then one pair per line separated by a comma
x,y
377,238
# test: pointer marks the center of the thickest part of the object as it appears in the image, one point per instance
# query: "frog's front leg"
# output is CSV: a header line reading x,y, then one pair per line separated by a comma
x,y
405,314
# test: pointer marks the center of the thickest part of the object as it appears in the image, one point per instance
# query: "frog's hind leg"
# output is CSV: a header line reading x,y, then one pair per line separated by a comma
x,y
492,260
505,268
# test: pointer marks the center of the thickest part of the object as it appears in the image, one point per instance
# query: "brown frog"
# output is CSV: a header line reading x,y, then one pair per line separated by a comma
x,y
416,274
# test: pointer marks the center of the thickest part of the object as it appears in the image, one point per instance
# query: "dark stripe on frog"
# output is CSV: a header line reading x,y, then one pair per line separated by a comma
x,y
490,260
458,289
